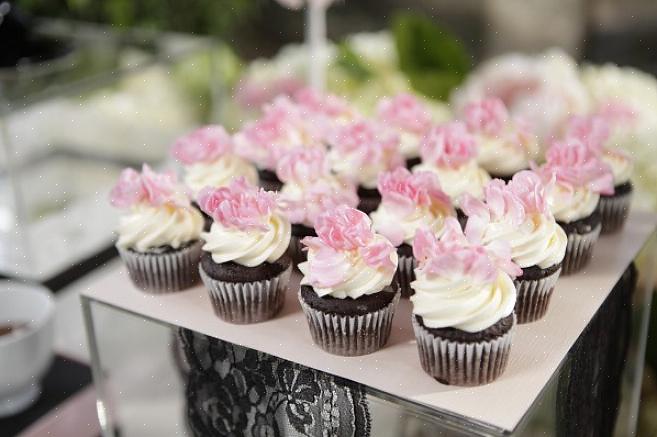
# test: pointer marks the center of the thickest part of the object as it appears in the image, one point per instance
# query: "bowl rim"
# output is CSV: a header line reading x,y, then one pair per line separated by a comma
x,y
6,285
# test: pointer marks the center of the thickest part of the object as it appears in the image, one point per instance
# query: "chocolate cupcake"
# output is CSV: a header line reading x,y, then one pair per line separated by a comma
x,y
450,152
462,306
309,189
159,233
361,150
410,202
347,291
518,213
579,179
506,146
410,118
245,264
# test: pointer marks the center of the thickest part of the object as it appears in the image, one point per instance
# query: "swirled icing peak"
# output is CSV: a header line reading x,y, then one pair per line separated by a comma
x,y
147,187
239,205
205,144
448,145
406,112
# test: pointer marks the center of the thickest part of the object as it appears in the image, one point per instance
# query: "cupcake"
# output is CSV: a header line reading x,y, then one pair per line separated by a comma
x,y
324,112
347,291
209,160
410,118
158,232
518,214
309,188
451,152
579,179
409,202
594,132
360,150
463,305
245,264
506,145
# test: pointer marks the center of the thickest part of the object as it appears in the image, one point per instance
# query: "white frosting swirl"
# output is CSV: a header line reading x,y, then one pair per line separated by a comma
x,y
568,205
409,145
621,166
468,178
460,302
538,241
148,227
386,218
249,248
358,280
503,158
219,173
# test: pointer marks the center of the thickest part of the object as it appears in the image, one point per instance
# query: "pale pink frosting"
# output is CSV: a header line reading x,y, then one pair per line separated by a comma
x,y
239,205
530,189
253,94
574,165
147,187
459,253
592,130
499,202
448,145
488,116
405,191
205,144
314,102
303,165
341,230
316,198
405,112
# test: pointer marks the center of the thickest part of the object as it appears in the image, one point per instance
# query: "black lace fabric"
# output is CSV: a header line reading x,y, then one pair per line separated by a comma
x,y
235,391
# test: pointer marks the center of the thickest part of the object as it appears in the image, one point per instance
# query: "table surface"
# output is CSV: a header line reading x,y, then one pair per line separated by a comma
x,y
536,353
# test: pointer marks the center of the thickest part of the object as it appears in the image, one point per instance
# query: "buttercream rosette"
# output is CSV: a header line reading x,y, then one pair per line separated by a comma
x,y
518,213
506,143
350,297
159,231
410,201
579,178
463,304
244,265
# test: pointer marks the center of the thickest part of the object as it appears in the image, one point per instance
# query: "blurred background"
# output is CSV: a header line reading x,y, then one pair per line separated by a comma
x,y
88,87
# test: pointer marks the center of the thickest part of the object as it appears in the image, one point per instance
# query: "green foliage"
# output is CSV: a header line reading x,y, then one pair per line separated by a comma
x,y
433,59
352,64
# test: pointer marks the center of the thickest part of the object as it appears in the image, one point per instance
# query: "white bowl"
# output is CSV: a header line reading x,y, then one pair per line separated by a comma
x,y
26,354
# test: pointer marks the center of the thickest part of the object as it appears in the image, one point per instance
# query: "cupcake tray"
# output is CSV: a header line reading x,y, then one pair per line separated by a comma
x,y
536,352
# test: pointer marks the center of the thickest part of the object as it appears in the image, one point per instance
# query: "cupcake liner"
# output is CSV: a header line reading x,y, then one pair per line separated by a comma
x,y
534,297
464,364
614,211
405,275
579,250
247,302
159,273
350,335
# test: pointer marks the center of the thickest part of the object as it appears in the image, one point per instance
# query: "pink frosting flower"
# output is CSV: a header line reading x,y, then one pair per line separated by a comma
x,y
405,190
314,102
449,145
252,94
344,233
592,130
303,165
529,188
147,187
499,203
405,112
202,145
457,253
239,205
488,116
318,197
574,164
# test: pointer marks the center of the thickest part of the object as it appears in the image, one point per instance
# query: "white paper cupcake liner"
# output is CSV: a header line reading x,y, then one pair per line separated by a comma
x,y
465,364
350,335
247,302
579,251
614,211
405,275
534,297
163,272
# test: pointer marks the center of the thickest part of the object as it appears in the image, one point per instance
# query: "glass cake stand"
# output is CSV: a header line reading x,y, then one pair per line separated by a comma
x,y
100,100
166,365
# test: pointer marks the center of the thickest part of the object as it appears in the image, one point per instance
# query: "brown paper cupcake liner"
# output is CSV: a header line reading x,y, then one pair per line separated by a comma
x,y
579,251
465,364
159,273
614,211
534,297
405,275
350,335
247,302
